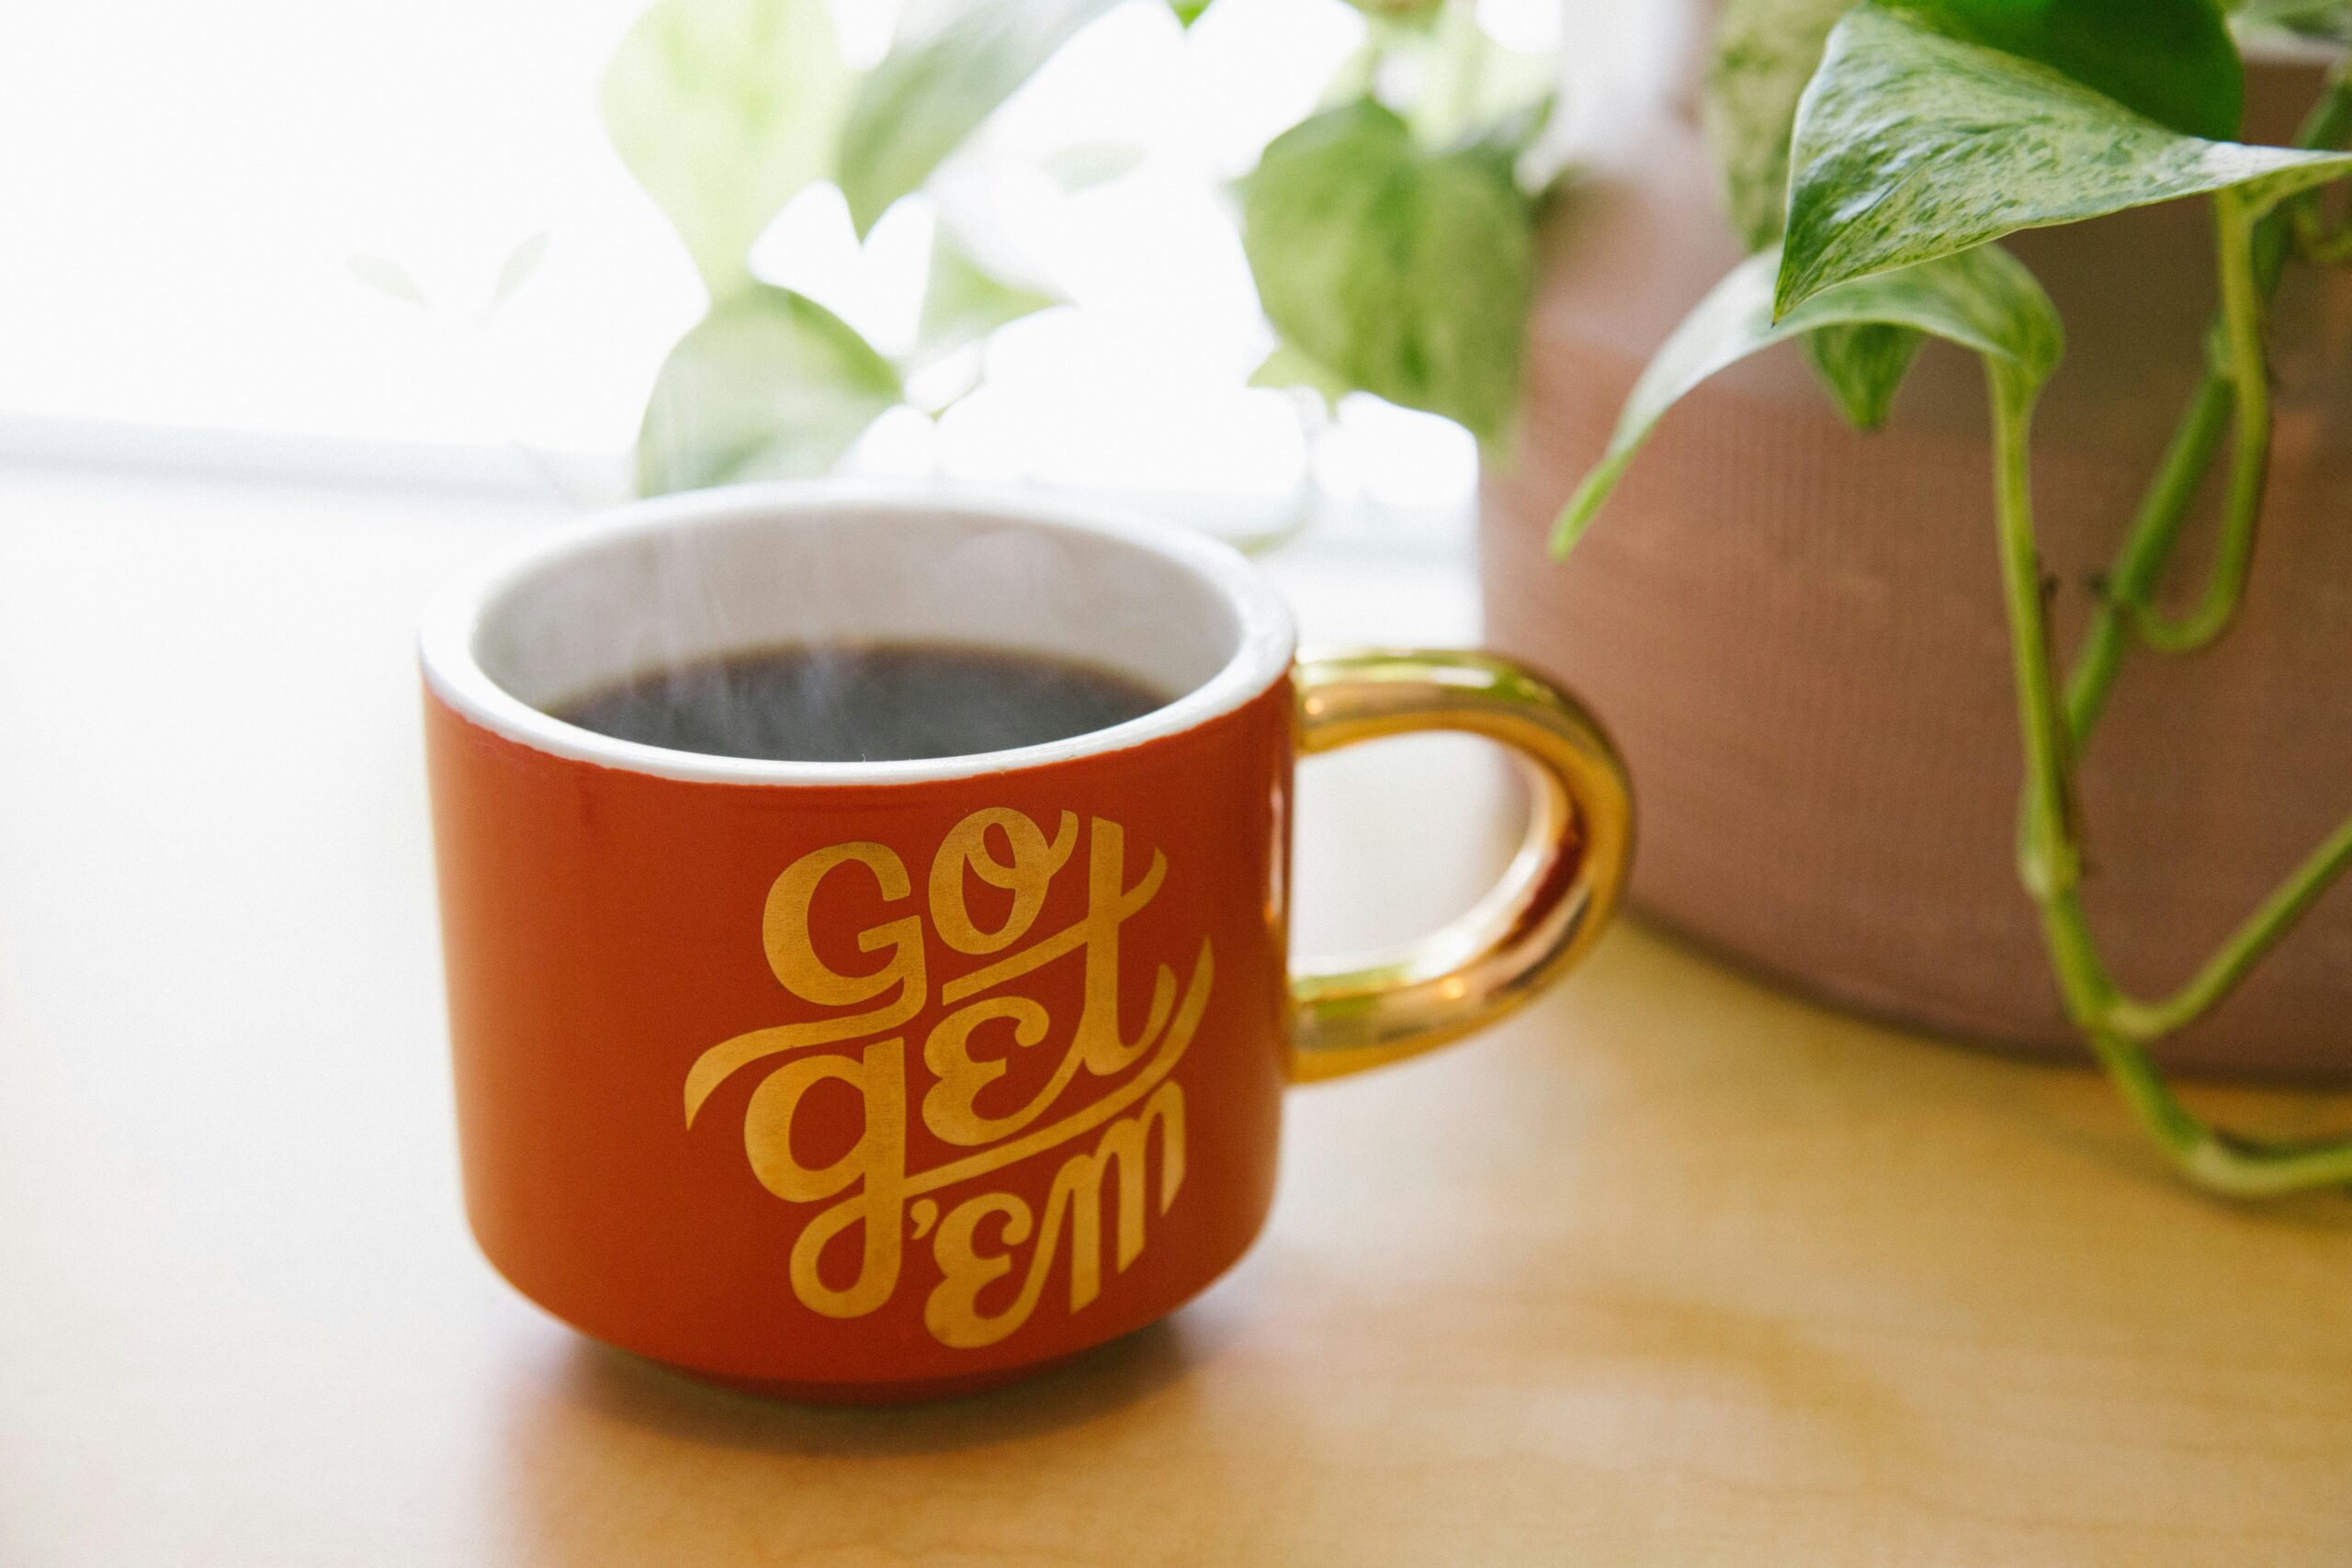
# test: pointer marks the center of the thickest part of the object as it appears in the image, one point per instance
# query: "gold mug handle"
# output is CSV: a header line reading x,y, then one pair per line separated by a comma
x,y
1550,904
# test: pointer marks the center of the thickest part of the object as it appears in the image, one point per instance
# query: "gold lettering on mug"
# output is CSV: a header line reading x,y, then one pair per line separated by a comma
x,y
952,1313
874,1205
875,1166
1026,875
784,931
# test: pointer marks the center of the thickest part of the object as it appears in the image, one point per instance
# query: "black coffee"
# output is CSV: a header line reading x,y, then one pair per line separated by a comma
x,y
863,703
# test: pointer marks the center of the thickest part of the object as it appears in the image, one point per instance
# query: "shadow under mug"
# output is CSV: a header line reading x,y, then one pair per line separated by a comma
x,y
882,1080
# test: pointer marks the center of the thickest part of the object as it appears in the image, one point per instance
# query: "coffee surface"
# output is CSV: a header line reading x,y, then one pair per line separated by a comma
x,y
862,703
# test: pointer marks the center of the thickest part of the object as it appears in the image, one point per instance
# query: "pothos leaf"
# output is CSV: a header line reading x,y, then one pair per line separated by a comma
x,y
2329,21
2172,60
1983,299
1763,54
1475,87
1291,368
963,301
1863,366
724,109
1912,144
952,62
769,385
1406,272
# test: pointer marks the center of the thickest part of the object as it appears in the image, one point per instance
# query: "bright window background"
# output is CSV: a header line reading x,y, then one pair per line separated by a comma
x,y
185,187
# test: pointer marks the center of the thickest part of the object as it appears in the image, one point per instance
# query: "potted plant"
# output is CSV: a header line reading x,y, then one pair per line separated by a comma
x,y
1801,650
1750,565
1805,634
1824,741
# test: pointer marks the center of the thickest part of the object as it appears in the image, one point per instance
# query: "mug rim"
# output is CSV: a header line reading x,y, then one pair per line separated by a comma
x,y
1265,648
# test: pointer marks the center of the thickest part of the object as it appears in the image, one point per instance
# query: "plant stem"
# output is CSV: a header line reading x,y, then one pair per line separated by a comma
x,y
2216,1161
2314,241
2050,864
2330,120
2242,314
2047,861
2146,550
2149,546
2140,1020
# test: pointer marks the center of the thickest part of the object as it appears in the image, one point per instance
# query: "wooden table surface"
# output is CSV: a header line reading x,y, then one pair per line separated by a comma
x,y
1670,1270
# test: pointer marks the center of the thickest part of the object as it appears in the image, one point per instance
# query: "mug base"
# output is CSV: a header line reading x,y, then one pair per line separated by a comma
x,y
911,1391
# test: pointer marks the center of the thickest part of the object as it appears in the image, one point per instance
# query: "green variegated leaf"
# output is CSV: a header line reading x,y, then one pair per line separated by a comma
x,y
952,62
2329,21
2172,60
1291,368
1763,54
963,301
1474,86
1911,144
724,109
769,385
1863,366
1983,299
1406,272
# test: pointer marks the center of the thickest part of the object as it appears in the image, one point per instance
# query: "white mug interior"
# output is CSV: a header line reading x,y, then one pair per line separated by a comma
x,y
689,579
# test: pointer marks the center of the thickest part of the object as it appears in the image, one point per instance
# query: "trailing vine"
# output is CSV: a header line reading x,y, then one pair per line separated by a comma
x,y
1924,134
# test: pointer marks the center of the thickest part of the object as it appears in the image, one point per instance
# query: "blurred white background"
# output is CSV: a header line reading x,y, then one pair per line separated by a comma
x,y
267,237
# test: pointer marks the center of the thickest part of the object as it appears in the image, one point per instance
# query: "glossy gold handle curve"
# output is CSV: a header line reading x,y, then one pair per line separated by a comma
x,y
1540,919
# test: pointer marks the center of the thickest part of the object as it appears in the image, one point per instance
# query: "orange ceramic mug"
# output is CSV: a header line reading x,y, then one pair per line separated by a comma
x,y
880,1080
